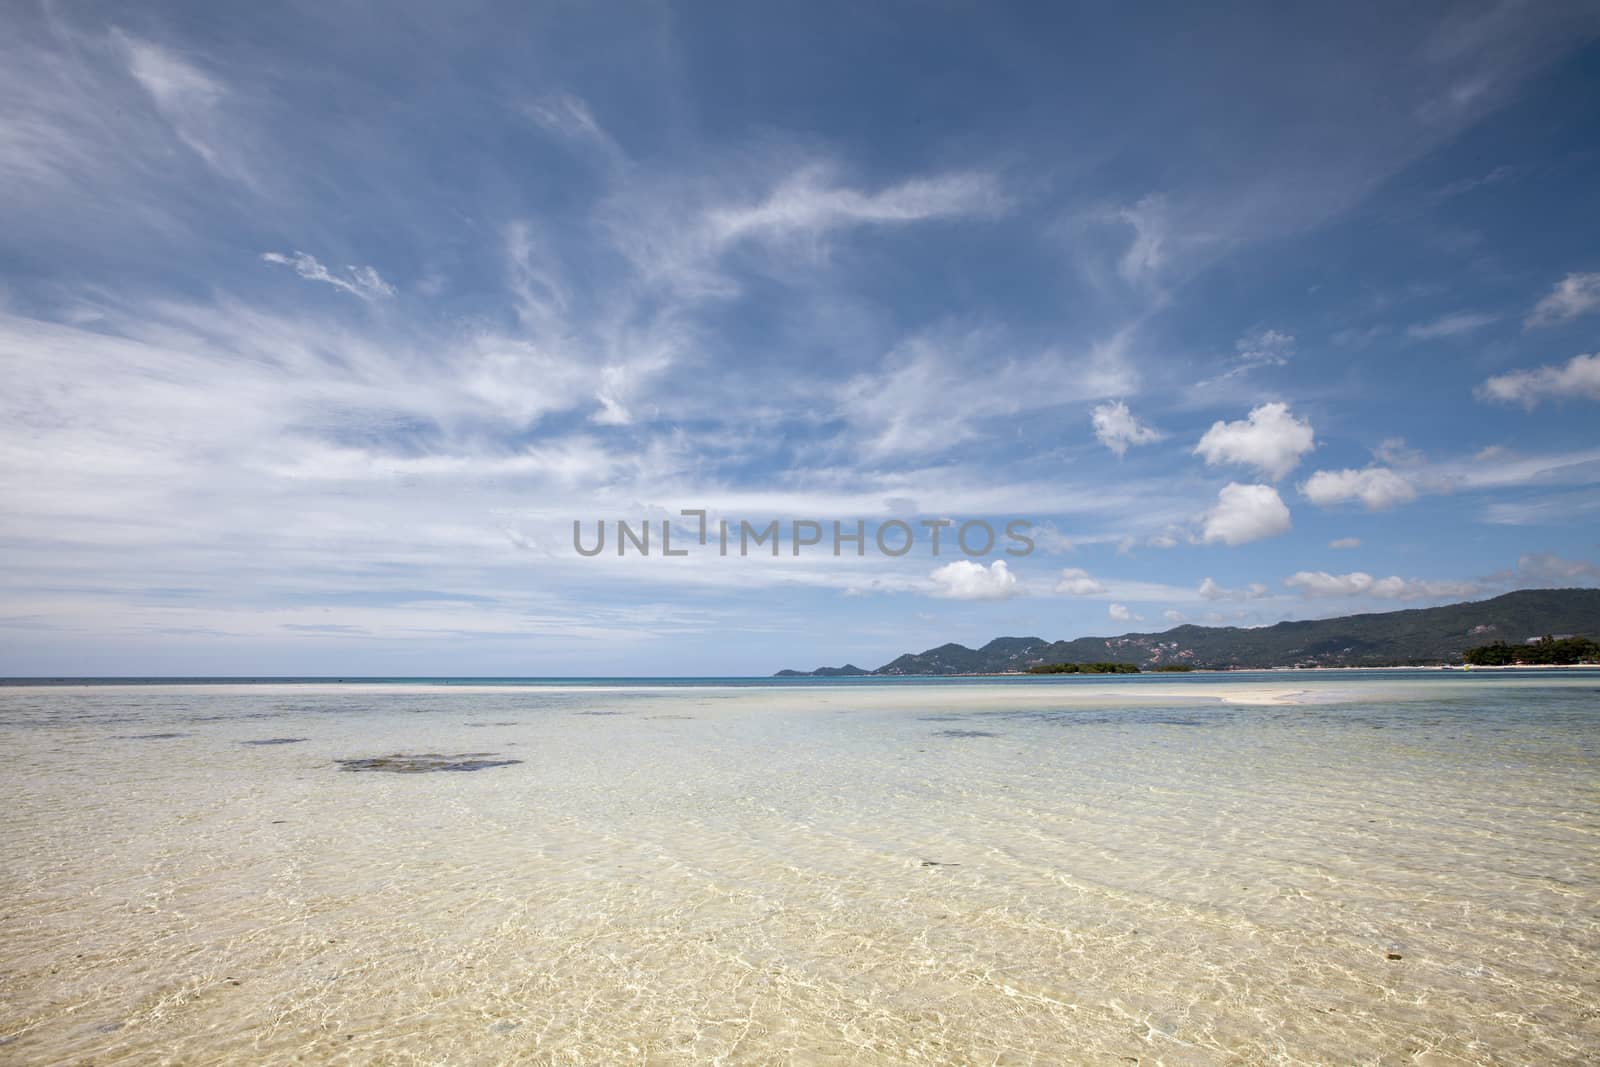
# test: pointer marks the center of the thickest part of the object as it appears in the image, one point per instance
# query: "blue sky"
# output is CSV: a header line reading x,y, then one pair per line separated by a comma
x,y
322,324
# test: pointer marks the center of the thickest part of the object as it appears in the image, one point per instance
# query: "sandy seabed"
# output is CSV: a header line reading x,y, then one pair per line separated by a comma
x,y
1403,871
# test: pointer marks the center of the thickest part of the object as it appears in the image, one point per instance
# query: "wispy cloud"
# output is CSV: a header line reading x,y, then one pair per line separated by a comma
x,y
935,391
364,282
190,99
1574,295
1453,325
810,202
1579,377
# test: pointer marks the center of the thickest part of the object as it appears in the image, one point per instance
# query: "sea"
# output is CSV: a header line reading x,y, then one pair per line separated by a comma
x,y
1316,867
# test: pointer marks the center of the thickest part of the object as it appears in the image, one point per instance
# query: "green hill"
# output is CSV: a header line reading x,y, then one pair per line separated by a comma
x,y
1421,636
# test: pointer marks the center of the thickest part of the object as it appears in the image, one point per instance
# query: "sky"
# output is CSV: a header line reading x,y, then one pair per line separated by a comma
x,y
321,325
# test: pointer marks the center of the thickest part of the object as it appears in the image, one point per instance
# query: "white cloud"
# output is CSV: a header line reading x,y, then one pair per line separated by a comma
x,y
1116,428
1360,583
1259,348
566,115
1574,295
1121,613
966,580
188,98
1263,348
1455,325
1211,590
934,389
1345,542
1174,615
1580,376
1245,513
174,84
1270,439
1547,568
364,282
1075,581
1393,451
1378,488
808,202
1147,252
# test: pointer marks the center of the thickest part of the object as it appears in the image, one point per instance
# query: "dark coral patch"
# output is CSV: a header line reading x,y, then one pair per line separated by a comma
x,y
425,762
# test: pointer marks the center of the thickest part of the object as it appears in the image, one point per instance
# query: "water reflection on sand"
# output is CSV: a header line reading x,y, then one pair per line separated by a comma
x,y
1271,871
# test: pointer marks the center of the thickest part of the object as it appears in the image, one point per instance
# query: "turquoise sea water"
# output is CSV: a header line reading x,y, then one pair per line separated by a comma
x,y
1280,867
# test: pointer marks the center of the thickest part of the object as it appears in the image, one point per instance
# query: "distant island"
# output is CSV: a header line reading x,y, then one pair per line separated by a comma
x,y
1083,668
1506,630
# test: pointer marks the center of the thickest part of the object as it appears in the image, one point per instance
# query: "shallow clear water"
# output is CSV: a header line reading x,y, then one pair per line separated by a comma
x,y
1176,872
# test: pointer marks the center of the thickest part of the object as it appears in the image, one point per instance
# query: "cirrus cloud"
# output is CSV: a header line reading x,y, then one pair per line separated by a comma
x,y
364,282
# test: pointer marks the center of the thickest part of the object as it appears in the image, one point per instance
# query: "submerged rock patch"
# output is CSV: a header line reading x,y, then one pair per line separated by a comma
x,y
149,737
965,733
276,741
425,762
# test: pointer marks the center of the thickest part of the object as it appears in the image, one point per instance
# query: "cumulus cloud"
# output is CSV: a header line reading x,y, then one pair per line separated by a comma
x,y
1174,615
1116,427
966,580
1345,542
1574,295
364,282
1360,583
1378,488
1075,581
1121,613
1579,376
1211,590
1269,439
1245,513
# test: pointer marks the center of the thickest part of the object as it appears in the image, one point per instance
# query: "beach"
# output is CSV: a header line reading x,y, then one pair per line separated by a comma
x,y
1252,869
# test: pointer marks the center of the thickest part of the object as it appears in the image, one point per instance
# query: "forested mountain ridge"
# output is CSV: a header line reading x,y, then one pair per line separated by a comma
x,y
1415,636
